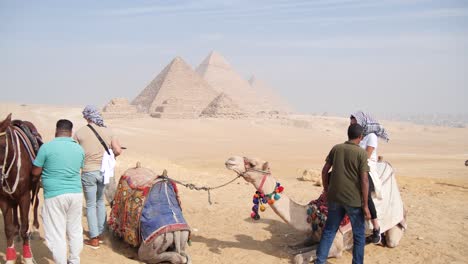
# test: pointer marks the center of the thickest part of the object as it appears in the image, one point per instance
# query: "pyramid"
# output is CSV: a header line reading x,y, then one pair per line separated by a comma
x,y
222,77
268,96
119,108
223,107
177,92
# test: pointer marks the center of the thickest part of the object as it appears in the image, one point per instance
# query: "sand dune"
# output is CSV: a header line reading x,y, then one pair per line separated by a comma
x,y
429,162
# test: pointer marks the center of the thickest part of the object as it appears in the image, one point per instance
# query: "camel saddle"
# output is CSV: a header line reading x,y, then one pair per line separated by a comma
x,y
31,133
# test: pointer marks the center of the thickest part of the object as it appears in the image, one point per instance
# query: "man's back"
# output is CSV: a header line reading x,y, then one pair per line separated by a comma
x,y
61,160
349,161
91,145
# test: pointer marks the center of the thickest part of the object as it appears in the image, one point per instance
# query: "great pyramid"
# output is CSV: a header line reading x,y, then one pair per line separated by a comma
x,y
223,107
269,97
220,75
177,92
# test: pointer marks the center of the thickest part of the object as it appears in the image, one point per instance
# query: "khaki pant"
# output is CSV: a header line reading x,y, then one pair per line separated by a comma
x,y
61,216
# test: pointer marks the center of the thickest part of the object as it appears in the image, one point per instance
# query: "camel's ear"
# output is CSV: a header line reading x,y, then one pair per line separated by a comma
x,y
266,166
5,123
164,174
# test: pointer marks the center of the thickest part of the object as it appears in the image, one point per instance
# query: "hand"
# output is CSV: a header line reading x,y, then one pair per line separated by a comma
x,y
366,212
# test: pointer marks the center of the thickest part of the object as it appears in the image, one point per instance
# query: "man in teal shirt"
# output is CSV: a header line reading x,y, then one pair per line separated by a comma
x,y
59,162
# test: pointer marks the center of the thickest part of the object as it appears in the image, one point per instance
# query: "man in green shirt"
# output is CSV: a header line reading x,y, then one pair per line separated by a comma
x,y
347,192
59,162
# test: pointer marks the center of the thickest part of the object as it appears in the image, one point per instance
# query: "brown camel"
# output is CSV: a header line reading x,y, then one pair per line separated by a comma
x,y
19,142
258,174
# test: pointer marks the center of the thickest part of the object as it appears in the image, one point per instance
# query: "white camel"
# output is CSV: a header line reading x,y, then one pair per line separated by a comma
x,y
168,242
255,172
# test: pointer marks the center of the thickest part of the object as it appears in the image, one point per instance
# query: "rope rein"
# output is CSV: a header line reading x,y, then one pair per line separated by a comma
x,y
192,186
16,155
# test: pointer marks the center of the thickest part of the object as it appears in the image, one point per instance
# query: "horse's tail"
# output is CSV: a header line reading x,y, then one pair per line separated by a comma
x,y
35,201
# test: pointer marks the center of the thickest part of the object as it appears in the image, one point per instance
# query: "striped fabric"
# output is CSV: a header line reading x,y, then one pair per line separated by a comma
x,y
370,125
92,113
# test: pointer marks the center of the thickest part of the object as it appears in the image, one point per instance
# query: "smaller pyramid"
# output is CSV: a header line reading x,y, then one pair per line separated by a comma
x,y
119,108
177,92
223,107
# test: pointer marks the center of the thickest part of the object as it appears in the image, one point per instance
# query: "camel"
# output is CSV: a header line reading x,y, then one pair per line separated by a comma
x,y
146,213
255,172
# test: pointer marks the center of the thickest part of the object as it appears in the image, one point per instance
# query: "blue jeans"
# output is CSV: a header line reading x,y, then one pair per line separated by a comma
x,y
336,212
93,188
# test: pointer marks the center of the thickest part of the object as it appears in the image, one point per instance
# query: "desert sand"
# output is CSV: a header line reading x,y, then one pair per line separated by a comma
x,y
429,163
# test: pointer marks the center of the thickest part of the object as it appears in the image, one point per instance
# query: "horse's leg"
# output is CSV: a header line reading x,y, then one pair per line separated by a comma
x,y
10,230
24,205
16,223
393,236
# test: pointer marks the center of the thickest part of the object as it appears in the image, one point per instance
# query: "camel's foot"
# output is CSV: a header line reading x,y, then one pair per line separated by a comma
x,y
187,256
305,258
393,236
301,250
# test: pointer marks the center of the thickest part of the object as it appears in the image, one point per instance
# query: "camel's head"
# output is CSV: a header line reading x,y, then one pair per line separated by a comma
x,y
251,169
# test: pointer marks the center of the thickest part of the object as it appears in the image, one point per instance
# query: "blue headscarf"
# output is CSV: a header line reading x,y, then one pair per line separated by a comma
x,y
92,114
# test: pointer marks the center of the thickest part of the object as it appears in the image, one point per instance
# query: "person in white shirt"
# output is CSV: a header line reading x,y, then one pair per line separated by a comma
x,y
372,131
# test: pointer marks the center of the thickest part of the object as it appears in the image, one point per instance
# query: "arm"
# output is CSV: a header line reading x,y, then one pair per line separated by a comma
x,y
36,171
369,151
325,170
116,148
365,193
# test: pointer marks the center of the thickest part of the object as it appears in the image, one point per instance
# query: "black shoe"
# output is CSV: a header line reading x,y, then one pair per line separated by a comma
x,y
375,238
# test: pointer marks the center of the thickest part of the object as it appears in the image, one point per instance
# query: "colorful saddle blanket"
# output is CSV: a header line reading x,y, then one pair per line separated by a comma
x,y
145,207
124,219
161,212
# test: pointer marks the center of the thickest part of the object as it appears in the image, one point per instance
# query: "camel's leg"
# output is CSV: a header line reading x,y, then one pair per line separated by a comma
x,y
156,251
24,205
393,236
305,258
184,236
336,251
177,241
10,230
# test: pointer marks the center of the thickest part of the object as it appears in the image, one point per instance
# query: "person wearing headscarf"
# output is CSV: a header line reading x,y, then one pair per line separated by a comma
x,y
98,142
372,131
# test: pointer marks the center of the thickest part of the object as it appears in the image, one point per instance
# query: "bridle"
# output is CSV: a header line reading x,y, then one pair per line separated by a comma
x,y
248,168
260,197
11,134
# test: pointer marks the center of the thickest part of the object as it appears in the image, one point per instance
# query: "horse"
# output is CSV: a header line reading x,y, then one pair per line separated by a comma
x,y
19,143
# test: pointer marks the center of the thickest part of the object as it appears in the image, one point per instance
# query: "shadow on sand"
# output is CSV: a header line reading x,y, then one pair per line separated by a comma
x,y
41,252
282,235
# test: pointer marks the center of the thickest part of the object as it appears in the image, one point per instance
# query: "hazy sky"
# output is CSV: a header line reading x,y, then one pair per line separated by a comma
x,y
335,55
